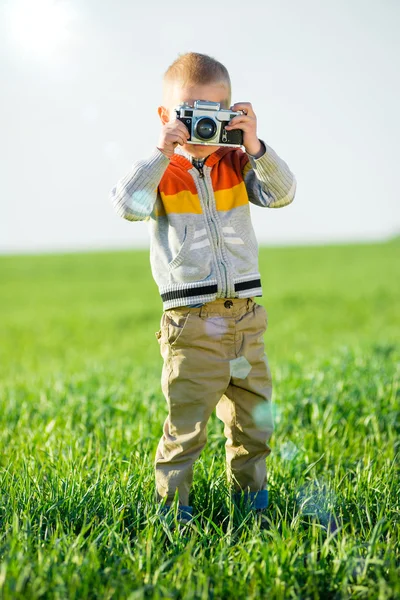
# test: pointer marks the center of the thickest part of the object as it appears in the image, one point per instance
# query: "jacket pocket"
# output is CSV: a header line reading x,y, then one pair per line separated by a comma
x,y
194,260
241,242
187,241
246,233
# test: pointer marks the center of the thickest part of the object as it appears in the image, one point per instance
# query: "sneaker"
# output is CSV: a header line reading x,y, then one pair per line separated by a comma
x,y
184,514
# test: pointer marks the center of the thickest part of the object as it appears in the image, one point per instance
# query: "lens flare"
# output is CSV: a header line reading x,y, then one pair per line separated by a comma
x,y
288,450
240,367
263,417
317,499
216,327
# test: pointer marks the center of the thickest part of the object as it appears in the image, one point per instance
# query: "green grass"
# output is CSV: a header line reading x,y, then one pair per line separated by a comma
x,y
81,413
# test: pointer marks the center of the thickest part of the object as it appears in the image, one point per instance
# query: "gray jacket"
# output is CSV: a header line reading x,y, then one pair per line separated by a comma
x,y
202,242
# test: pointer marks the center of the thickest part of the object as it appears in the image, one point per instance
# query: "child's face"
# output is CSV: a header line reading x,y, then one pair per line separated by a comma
x,y
213,92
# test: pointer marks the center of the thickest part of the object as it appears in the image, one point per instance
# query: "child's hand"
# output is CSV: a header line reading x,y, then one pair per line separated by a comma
x,y
248,124
172,133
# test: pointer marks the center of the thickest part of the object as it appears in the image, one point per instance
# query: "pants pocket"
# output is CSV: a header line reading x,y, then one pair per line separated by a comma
x,y
176,325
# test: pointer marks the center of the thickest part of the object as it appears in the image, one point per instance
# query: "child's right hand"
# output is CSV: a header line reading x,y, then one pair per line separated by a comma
x,y
172,133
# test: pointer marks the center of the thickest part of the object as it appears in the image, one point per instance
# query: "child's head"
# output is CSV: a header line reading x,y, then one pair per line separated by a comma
x,y
194,76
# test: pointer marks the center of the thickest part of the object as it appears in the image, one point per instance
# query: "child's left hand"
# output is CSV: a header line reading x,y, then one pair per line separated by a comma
x,y
248,124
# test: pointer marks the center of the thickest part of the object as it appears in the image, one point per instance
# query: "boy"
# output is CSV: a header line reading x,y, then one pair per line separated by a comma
x,y
204,259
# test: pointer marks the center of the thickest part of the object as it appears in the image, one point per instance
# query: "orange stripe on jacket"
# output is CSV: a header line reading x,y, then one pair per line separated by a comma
x,y
228,171
224,176
175,180
179,194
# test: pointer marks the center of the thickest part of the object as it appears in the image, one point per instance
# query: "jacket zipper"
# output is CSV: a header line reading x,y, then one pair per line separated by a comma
x,y
201,175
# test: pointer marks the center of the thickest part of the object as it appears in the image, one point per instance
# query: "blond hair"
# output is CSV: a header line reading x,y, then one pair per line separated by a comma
x,y
193,68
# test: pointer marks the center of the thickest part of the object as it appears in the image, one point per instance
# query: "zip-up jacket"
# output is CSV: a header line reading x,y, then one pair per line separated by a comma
x,y
202,242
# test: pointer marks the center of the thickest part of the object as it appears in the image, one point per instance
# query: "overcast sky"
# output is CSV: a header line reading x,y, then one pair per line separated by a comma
x,y
81,82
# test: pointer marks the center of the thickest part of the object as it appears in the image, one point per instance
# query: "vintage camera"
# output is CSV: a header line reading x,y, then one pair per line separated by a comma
x,y
206,123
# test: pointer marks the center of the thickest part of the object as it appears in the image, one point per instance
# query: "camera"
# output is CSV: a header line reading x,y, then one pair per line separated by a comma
x,y
206,122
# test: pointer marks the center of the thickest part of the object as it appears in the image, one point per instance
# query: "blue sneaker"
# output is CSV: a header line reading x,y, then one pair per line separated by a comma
x,y
184,514
251,500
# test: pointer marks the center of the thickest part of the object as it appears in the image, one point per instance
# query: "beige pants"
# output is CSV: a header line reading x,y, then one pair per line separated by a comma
x,y
214,358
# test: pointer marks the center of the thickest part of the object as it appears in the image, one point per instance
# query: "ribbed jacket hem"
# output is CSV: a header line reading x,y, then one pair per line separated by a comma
x,y
202,292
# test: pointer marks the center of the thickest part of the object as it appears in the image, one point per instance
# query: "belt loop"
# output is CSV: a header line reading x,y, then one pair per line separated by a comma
x,y
202,310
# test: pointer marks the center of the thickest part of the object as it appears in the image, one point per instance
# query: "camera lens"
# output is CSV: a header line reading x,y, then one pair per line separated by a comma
x,y
205,128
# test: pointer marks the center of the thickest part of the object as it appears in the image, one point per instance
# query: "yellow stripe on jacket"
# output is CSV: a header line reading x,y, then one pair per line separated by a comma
x,y
182,202
186,202
231,197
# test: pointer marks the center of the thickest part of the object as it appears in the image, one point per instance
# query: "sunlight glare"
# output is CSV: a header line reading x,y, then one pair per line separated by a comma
x,y
40,27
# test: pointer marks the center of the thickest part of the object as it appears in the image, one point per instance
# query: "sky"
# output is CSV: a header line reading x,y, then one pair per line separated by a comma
x,y
80,85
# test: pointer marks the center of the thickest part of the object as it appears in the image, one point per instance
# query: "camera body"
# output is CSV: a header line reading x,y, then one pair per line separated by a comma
x,y
206,123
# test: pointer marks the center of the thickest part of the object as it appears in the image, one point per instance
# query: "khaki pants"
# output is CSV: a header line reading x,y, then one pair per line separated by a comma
x,y
214,358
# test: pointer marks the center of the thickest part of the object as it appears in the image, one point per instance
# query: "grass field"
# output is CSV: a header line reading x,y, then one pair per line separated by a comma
x,y
81,413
